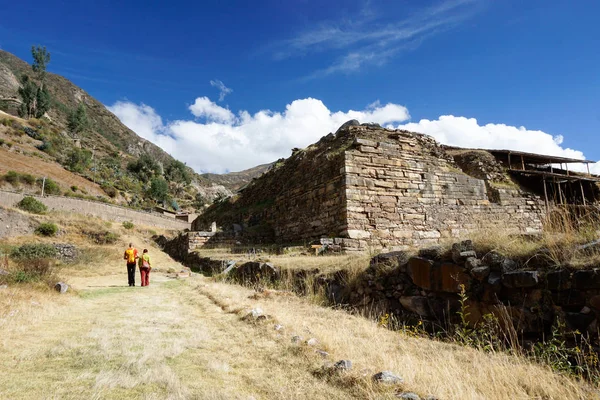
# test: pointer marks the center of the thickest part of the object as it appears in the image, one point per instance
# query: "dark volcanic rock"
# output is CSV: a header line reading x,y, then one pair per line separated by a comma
x,y
480,273
558,280
520,279
587,279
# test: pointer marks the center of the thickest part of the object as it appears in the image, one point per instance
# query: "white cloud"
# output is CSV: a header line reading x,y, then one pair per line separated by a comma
x,y
225,142
223,90
204,108
466,132
228,142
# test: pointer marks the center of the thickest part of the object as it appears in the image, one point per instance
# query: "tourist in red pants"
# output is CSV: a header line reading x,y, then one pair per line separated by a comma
x,y
145,267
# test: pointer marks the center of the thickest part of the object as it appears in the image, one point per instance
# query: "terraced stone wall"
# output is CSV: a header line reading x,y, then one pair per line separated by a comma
x,y
403,189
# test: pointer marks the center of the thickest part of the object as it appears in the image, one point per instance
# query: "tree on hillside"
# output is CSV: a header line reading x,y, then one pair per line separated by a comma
x,y
176,171
145,167
78,120
41,58
159,189
35,99
28,92
43,100
78,160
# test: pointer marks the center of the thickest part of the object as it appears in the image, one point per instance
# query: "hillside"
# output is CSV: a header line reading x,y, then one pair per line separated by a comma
x,y
234,181
101,153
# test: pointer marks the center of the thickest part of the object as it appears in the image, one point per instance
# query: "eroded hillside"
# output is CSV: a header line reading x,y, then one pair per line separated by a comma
x,y
114,161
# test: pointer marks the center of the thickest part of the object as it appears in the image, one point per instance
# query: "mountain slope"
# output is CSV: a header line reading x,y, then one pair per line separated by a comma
x,y
236,180
106,141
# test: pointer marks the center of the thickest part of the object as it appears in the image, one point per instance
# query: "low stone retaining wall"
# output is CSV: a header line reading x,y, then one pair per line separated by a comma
x,y
428,287
97,209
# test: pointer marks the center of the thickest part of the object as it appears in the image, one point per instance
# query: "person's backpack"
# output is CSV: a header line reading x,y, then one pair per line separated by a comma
x,y
130,256
145,263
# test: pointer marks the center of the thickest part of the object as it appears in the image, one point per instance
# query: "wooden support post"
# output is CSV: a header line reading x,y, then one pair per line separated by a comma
x,y
567,167
588,168
560,195
582,192
545,194
509,163
522,163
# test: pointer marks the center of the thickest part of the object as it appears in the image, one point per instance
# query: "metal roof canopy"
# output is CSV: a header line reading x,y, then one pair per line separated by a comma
x,y
554,175
532,158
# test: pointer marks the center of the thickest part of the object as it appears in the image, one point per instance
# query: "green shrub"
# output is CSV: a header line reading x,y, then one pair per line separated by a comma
x,y
78,160
46,229
109,190
28,179
50,187
128,225
102,237
74,188
32,251
32,205
12,177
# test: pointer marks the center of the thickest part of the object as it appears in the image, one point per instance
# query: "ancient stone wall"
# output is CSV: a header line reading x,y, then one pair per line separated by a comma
x,y
531,294
302,198
97,209
376,189
404,190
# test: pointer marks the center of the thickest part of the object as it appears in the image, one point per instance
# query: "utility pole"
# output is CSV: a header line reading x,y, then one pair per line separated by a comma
x,y
94,162
43,185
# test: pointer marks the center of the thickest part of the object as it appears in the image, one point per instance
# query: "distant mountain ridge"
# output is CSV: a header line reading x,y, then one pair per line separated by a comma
x,y
237,180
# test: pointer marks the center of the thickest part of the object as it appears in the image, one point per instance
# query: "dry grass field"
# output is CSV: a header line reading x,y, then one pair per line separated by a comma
x,y
190,339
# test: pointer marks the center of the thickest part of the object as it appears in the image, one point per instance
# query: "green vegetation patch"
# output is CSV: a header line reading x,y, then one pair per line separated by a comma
x,y
30,251
32,205
46,229
102,236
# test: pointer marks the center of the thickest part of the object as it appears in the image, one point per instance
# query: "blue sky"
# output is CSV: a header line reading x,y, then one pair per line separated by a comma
x,y
507,63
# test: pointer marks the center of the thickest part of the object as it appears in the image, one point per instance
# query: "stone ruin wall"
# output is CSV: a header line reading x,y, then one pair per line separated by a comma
x,y
403,190
299,200
374,189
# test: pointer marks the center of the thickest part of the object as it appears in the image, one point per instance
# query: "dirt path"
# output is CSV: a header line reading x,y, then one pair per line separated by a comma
x,y
167,341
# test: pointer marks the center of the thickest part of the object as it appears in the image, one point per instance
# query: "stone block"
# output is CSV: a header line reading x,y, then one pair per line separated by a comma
x,y
452,276
358,234
429,234
586,279
595,302
520,279
432,253
558,280
569,298
578,321
417,304
495,281
365,142
384,184
439,277
419,270
480,273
